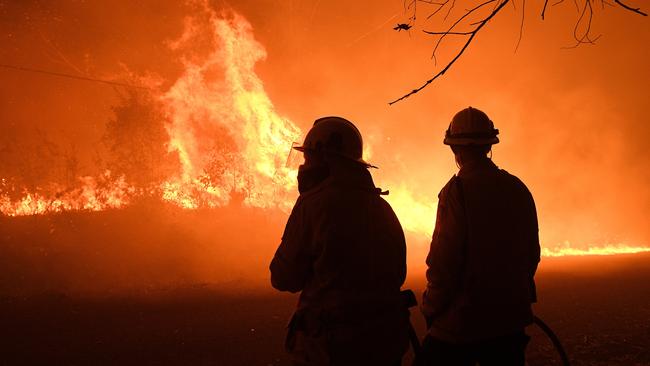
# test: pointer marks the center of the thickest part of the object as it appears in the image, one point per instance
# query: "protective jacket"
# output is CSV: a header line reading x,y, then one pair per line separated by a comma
x,y
483,257
344,248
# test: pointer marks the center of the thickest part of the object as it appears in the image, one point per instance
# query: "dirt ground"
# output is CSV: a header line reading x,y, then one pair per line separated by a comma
x,y
603,318
598,306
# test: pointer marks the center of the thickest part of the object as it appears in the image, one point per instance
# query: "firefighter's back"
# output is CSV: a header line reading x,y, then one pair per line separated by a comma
x,y
502,251
353,297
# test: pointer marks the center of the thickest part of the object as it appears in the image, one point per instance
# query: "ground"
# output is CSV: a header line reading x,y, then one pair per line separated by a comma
x,y
598,306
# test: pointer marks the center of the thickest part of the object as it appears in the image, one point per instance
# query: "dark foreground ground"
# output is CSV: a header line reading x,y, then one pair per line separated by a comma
x,y
598,306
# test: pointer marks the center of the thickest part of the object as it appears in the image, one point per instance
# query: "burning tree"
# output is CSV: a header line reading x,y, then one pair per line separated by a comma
x,y
137,140
477,15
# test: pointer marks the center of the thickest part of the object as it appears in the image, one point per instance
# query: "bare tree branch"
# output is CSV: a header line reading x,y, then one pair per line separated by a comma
x,y
581,31
635,10
544,8
440,6
448,33
450,9
584,37
605,2
460,19
432,2
558,2
521,26
460,53
575,2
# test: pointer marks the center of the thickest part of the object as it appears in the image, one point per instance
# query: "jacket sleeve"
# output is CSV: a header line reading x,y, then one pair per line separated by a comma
x,y
399,241
291,264
445,257
534,247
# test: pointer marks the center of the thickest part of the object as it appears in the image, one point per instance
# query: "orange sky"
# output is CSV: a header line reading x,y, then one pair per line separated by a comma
x,y
572,122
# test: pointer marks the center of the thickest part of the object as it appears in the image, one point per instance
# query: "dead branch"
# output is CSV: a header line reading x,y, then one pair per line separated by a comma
x,y
448,33
460,19
450,9
635,10
521,26
544,8
440,6
460,53
581,31
584,37
605,2
558,2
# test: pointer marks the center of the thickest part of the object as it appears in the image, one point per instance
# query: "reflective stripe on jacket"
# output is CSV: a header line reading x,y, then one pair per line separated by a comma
x,y
483,257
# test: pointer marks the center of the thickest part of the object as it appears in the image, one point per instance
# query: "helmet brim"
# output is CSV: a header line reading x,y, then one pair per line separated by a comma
x,y
360,161
470,141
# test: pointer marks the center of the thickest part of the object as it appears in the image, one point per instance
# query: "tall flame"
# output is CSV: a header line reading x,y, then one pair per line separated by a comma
x,y
416,214
202,110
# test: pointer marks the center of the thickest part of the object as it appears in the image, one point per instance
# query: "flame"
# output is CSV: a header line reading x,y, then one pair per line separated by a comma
x,y
566,249
93,195
202,110
416,214
230,141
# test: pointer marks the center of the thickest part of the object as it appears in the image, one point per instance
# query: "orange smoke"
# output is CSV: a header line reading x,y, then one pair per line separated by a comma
x,y
230,141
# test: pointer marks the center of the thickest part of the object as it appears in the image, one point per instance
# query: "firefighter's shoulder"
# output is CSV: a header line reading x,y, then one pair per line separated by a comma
x,y
516,183
450,189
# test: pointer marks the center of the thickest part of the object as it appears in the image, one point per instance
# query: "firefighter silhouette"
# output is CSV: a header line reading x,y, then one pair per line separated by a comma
x,y
344,250
483,256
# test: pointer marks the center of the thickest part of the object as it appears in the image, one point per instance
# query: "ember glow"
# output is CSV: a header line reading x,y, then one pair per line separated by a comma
x,y
231,143
92,195
566,250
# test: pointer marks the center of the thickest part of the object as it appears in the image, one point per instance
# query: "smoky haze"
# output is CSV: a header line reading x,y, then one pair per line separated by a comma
x,y
573,123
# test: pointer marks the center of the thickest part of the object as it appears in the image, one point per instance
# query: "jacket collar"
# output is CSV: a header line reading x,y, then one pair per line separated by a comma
x,y
476,166
352,175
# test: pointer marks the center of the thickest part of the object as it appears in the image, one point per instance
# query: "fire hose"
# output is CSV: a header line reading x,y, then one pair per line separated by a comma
x,y
409,300
554,339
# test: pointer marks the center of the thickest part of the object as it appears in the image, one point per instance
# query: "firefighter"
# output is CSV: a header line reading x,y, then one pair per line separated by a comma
x,y
344,250
483,256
